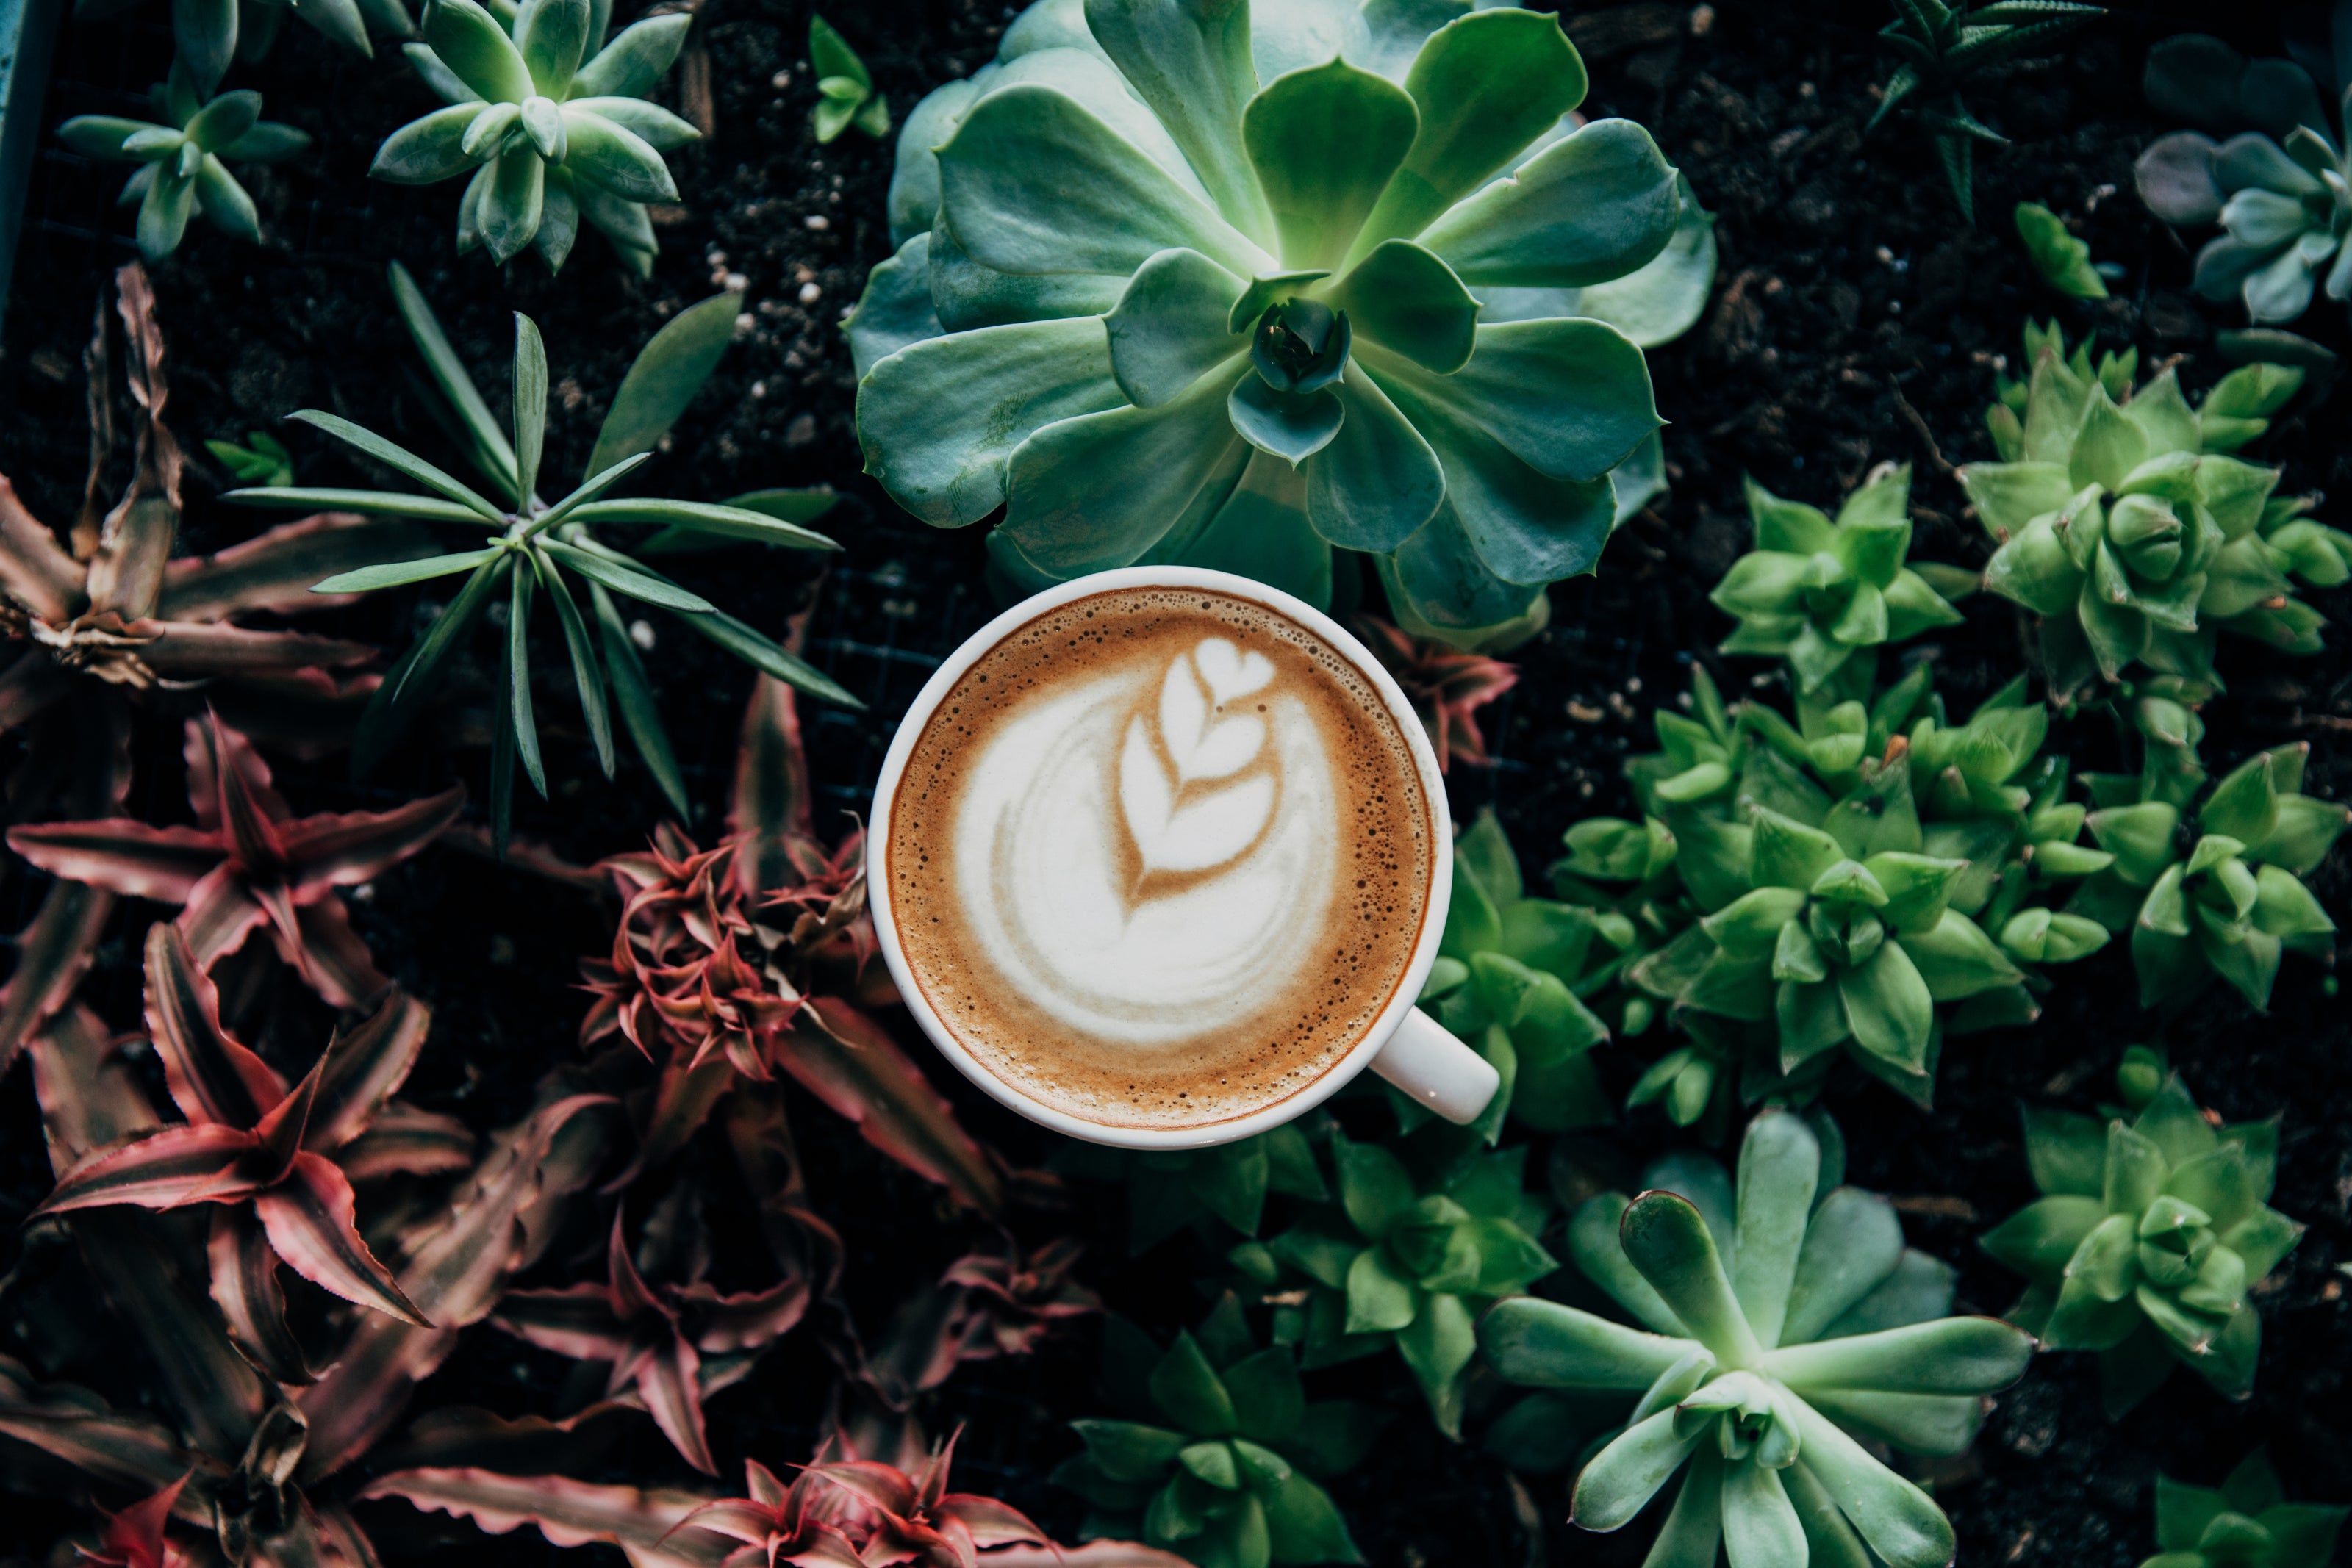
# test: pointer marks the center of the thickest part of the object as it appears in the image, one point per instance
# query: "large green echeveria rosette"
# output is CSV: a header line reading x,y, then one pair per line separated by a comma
x,y
1237,286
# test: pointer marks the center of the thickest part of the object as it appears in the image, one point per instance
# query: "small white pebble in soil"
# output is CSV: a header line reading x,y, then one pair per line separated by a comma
x,y
782,79
736,282
641,632
801,431
818,222
744,323
1702,21
1683,701
759,389
810,293
364,892
1633,684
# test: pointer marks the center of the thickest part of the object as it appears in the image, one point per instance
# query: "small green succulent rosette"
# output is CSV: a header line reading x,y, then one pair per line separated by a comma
x,y
2279,185
2220,895
184,163
1220,1455
1169,1190
1238,286
2149,1235
1408,1257
1813,591
2116,524
550,121
1782,1326
2247,1522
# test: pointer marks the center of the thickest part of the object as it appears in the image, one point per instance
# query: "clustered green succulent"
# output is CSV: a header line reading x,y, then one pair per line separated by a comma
x,y
2150,1233
2063,261
1409,1257
1813,591
550,121
1177,284
1169,1190
207,35
1223,1458
2223,899
1943,45
184,163
1784,1326
2247,1523
2280,186
2121,523
538,549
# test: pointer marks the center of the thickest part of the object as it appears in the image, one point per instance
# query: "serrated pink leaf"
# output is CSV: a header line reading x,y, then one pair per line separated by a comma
x,y
406,1139
1093,1554
212,1077
251,813
771,803
188,650
722,1324
53,952
576,1320
886,1487
667,1381
30,686
331,956
852,1064
363,1067
308,1216
568,1512
123,855
989,1523
352,847
244,1286
91,1097
221,913
208,747
737,1518
35,569
127,1448
274,570
169,1166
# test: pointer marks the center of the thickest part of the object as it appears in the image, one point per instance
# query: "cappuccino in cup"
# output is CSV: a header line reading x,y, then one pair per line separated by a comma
x,y
1161,857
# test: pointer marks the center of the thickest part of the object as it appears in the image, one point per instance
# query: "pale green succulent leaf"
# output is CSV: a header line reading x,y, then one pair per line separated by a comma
x,y
1597,204
1405,299
1190,61
637,57
1056,510
1324,141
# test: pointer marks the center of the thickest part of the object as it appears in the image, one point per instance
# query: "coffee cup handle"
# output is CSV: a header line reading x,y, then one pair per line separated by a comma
x,y
1423,1059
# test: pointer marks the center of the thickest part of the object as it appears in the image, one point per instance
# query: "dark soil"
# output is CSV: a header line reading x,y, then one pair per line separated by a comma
x,y
1856,320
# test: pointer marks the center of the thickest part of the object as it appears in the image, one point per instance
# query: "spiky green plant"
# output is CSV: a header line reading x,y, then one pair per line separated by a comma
x,y
1812,591
536,549
184,163
262,460
1783,1322
1409,1256
2146,1241
1223,1457
2247,1523
2220,895
2120,522
1238,286
552,122
1944,46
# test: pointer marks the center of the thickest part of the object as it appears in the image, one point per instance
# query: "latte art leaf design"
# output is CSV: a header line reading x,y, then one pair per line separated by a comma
x,y
1179,816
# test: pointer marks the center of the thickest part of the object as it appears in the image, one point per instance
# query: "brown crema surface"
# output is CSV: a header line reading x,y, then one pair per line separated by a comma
x,y
1244,1058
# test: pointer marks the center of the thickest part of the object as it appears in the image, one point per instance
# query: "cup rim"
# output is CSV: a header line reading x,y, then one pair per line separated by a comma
x,y
1434,909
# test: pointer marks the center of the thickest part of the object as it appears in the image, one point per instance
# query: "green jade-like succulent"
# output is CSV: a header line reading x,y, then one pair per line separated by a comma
x,y
1784,1326
1511,977
1409,1257
2148,1237
536,549
2247,1523
2280,185
2223,898
1240,285
1812,591
2123,526
552,122
1221,1462
183,164
2063,261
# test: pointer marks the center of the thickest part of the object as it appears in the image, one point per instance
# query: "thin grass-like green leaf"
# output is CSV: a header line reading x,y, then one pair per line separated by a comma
x,y
491,454
530,402
592,486
404,690
396,573
526,723
398,458
502,760
668,374
620,575
374,503
763,654
584,668
633,694
705,517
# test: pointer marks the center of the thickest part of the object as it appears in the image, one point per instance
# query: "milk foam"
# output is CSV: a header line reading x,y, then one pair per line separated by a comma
x,y
1159,858
1141,862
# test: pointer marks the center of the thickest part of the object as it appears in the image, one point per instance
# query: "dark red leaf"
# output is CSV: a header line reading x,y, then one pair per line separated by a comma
x,y
770,806
174,1165
720,1324
53,952
184,650
128,1447
408,1139
244,1286
35,570
667,1381
90,1097
212,1077
363,1067
576,1320
308,1216
345,850
568,1512
123,855
274,570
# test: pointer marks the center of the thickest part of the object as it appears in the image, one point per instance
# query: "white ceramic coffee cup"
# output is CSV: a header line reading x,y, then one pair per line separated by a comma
x,y
1405,1045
